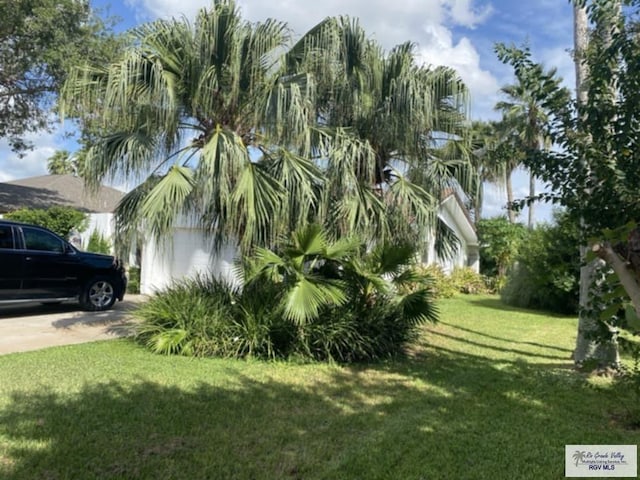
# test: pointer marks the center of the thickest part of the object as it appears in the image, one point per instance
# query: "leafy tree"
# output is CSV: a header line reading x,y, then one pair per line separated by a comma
x,y
595,174
251,143
61,220
500,241
40,40
547,273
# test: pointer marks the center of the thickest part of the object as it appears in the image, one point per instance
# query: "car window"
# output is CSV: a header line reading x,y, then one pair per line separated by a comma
x,y
40,240
6,236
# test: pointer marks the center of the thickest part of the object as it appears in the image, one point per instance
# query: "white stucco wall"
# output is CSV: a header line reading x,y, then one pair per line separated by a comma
x,y
187,254
103,223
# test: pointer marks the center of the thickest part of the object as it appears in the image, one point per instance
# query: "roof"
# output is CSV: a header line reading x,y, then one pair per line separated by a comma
x,y
57,190
460,216
455,193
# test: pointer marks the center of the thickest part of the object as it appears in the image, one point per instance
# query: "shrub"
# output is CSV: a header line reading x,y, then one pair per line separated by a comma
x,y
133,285
460,280
547,275
442,284
500,242
98,243
191,317
61,220
466,280
313,299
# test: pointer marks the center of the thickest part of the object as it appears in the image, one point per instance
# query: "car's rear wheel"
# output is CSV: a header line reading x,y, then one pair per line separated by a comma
x,y
99,294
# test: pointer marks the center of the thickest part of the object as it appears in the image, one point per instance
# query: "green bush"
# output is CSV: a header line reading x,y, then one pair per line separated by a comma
x,y
460,280
466,280
98,243
191,318
61,220
442,285
547,275
312,299
500,243
133,284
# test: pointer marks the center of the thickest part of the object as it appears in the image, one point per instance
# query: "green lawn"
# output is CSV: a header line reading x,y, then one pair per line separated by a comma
x,y
488,393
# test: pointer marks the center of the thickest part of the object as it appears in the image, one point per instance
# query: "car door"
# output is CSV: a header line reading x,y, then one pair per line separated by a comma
x,y
11,260
51,268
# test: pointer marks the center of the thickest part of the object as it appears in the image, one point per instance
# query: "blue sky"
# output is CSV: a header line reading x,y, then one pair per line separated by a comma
x,y
458,33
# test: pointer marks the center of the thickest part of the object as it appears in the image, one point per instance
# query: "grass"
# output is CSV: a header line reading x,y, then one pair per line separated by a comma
x,y
488,393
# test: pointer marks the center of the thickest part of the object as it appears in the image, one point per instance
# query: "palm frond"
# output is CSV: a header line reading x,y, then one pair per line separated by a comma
x,y
308,295
166,200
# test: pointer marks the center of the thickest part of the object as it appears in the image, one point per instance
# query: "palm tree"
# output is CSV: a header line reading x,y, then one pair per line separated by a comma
x,y
494,158
225,129
314,273
402,122
61,163
187,109
525,117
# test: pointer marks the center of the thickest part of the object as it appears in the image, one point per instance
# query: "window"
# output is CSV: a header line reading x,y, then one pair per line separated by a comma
x,y
41,240
6,236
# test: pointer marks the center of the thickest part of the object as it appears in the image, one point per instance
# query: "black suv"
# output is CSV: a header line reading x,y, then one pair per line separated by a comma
x,y
36,265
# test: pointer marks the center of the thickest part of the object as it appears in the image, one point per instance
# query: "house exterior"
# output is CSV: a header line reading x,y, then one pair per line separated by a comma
x,y
189,253
456,216
67,191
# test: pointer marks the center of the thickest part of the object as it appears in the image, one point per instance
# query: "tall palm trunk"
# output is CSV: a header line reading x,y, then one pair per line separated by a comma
x,y
532,192
509,185
605,353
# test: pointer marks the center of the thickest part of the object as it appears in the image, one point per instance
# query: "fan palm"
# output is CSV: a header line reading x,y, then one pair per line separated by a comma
x,y
524,117
187,109
315,272
229,126
399,120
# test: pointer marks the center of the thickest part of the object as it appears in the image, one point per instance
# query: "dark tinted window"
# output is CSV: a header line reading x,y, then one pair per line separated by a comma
x,y
6,236
41,240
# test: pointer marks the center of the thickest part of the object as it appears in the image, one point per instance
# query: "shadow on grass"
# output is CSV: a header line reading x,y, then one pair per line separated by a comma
x,y
503,339
442,415
495,303
497,349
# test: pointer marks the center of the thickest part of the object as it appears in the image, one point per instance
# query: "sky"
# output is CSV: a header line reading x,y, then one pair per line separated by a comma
x,y
457,33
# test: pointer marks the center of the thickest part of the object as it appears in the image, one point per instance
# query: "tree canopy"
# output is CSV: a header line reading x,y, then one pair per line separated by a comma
x,y
40,41
595,172
226,122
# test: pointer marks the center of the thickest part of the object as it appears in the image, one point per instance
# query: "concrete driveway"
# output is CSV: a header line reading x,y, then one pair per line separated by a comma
x,y
34,326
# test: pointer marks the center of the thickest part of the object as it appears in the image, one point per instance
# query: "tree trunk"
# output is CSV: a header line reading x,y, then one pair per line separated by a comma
x,y
509,185
479,200
604,353
532,192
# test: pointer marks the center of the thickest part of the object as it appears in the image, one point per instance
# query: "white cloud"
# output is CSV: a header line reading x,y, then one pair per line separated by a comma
x,y
390,23
464,13
427,23
34,163
439,49
560,58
